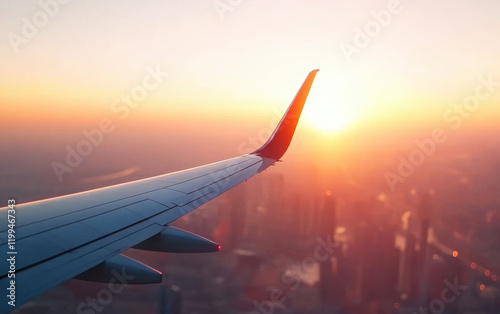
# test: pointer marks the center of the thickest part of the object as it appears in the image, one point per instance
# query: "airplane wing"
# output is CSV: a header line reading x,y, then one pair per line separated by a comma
x,y
82,235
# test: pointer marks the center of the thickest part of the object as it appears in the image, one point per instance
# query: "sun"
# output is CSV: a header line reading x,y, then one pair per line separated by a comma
x,y
327,118
327,114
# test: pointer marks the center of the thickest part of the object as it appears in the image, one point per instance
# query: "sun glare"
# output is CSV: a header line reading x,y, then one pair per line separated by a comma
x,y
327,118
327,114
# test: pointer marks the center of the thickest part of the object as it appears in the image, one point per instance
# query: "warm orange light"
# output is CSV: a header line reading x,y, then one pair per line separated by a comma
x,y
494,277
328,120
487,273
455,254
327,111
481,287
473,265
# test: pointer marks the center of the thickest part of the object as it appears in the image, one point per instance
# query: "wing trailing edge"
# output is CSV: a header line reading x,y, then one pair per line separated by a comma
x,y
279,141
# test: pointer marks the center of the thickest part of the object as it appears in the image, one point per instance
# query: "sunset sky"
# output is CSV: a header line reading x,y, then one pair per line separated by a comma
x,y
229,67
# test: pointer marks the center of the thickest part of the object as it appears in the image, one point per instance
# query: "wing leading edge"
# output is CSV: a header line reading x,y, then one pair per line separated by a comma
x,y
61,238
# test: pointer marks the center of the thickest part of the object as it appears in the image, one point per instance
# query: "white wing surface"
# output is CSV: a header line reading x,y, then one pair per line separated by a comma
x,y
82,235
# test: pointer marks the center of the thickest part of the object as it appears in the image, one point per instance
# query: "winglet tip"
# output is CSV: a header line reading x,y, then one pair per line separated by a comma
x,y
279,141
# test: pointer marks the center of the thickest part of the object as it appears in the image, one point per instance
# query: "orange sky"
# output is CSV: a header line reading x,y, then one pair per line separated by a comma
x,y
250,57
227,71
